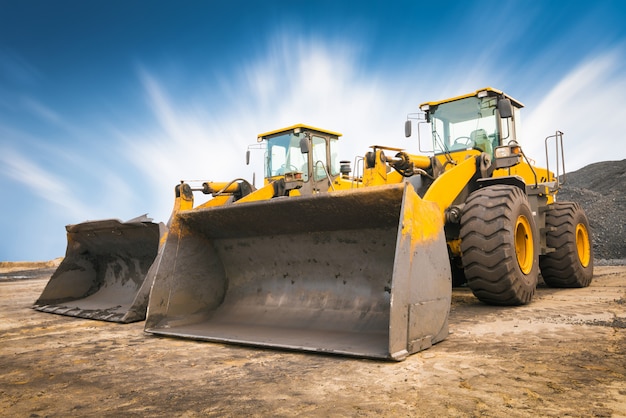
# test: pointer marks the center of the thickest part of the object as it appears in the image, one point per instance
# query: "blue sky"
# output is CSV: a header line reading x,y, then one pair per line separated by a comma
x,y
106,105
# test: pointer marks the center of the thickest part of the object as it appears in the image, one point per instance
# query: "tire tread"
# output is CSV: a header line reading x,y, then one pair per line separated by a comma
x,y
562,267
488,253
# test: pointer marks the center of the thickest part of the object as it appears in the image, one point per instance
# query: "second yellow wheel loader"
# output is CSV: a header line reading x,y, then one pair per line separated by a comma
x,y
323,259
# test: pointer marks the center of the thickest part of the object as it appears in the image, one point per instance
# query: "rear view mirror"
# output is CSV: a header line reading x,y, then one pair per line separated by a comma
x,y
407,128
505,108
248,157
304,145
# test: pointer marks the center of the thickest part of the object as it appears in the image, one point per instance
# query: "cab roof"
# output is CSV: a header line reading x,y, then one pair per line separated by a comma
x,y
296,129
488,91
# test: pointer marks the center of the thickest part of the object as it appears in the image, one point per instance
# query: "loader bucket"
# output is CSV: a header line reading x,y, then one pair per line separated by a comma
x,y
104,274
363,272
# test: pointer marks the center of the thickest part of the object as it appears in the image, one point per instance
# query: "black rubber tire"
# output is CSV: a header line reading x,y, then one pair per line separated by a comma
x,y
571,264
493,219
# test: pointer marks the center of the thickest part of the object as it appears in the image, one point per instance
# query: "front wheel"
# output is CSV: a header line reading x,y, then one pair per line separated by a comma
x,y
571,262
499,246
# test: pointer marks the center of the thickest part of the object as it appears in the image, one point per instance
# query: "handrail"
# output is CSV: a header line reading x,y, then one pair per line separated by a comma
x,y
558,142
357,173
330,181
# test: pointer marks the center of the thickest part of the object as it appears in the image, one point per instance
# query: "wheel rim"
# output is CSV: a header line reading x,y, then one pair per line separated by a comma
x,y
524,244
582,245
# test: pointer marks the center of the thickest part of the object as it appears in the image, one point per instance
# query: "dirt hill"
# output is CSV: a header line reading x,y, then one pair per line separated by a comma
x,y
600,189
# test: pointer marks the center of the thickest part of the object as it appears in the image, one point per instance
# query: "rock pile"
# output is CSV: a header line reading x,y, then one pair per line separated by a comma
x,y
600,188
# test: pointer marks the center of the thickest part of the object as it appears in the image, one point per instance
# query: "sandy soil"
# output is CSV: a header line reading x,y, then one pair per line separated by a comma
x,y
562,355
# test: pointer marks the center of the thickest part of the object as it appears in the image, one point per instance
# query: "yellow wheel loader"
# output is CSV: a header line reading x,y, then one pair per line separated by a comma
x,y
361,263
507,225
310,261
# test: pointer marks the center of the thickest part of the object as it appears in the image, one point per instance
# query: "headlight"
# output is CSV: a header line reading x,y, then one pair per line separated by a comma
x,y
507,156
502,152
507,151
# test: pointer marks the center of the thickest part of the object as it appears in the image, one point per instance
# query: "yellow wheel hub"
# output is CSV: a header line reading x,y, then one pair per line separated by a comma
x,y
524,244
582,245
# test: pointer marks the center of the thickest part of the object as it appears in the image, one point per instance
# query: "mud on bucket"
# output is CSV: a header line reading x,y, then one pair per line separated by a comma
x,y
363,272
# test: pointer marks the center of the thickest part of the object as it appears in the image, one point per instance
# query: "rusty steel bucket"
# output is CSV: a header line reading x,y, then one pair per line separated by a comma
x,y
363,272
104,274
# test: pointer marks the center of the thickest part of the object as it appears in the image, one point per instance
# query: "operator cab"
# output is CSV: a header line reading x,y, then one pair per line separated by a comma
x,y
303,153
482,120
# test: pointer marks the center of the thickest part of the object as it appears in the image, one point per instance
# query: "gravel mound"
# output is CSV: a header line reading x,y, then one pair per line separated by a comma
x,y
600,188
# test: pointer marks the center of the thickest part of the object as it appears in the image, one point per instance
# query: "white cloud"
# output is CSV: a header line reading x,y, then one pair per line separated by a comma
x,y
587,105
296,81
325,84
43,183
74,178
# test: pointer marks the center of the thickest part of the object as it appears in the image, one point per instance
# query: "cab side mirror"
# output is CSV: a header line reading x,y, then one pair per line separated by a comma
x,y
407,128
505,108
304,145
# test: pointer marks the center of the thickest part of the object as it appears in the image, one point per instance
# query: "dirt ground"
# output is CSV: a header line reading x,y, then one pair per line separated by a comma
x,y
562,355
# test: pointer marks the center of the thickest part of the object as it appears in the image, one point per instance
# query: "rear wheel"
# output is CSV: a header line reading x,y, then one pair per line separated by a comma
x,y
571,262
498,245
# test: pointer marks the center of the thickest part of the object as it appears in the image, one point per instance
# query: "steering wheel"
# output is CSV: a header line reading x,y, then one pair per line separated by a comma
x,y
283,169
466,141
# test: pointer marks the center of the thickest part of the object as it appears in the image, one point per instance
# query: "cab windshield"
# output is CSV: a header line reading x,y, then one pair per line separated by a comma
x,y
465,124
284,156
